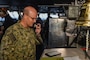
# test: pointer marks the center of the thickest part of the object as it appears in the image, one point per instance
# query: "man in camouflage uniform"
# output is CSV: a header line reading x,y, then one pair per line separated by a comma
x,y
19,41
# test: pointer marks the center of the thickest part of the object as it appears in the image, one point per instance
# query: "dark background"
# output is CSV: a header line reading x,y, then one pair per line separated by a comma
x,y
34,2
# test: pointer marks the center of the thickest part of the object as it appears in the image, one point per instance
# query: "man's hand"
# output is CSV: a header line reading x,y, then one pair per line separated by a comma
x,y
38,29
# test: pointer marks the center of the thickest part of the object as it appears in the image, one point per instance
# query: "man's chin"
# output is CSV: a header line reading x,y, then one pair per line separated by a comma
x,y
31,26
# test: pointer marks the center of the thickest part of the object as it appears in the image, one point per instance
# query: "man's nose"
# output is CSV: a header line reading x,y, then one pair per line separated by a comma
x,y
35,21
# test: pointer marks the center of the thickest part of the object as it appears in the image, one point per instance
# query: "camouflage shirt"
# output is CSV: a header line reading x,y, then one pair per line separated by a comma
x,y
18,43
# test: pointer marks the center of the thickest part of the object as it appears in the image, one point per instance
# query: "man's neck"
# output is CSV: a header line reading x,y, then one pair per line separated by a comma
x,y
24,24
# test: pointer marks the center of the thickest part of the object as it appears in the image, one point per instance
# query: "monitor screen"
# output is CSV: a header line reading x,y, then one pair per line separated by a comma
x,y
43,16
73,12
54,9
13,14
43,9
54,15
2,19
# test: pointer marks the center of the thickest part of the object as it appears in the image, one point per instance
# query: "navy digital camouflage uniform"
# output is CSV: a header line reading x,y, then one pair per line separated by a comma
x,y
19,43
